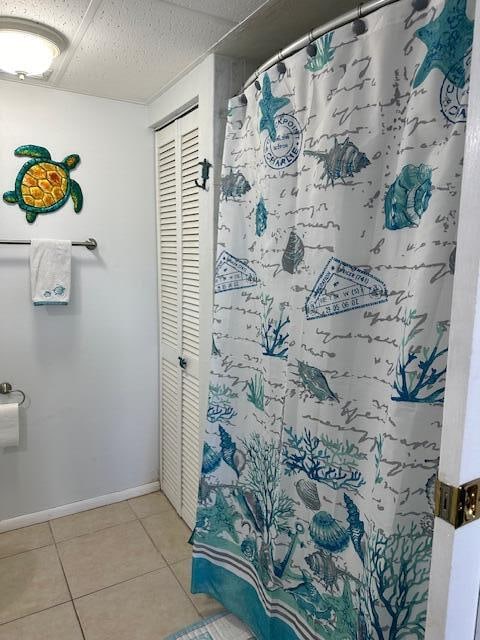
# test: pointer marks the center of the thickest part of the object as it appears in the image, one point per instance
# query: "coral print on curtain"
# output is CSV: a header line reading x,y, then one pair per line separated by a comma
x,y
336,254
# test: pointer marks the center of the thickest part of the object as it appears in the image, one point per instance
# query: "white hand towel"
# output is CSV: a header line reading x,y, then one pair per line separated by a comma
x,y
50,271
8,425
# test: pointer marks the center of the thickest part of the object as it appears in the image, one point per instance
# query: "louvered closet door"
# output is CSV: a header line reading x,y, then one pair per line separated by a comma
x,y
178,254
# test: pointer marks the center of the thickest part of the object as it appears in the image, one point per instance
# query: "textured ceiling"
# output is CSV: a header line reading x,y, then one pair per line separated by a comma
x,y
129,49
134,49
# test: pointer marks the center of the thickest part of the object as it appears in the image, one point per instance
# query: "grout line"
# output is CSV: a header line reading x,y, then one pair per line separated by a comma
x,y
153,542
127,502
61,566
79,621
116,584
53,606
19,553
189,595
68,585
157,513
57,604
91,533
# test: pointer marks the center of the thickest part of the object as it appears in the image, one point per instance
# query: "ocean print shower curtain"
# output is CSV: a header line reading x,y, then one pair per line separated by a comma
x,y
336,254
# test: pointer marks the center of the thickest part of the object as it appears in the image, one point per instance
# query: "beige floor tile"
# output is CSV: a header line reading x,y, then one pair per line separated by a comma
x,y
170,535
90,521
104,558
30,582
57,623
146,608
25,539
150,504
205,605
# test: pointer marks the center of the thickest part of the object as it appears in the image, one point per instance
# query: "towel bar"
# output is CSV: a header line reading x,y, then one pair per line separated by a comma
x,y
90,244
6,388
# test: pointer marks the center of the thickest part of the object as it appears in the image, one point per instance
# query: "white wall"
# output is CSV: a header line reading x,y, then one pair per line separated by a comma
x,y
89,369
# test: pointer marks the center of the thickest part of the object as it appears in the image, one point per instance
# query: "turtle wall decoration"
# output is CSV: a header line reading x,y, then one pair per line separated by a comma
x,y
43,185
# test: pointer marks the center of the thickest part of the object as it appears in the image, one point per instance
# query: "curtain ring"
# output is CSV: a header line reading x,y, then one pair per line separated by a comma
x,y
419,5
311,46
359,25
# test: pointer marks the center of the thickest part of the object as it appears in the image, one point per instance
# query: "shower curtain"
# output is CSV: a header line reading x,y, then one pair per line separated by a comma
x,y
336,253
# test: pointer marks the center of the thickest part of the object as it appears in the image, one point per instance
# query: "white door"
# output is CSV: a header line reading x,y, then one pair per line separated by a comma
x,y
455,572
179,294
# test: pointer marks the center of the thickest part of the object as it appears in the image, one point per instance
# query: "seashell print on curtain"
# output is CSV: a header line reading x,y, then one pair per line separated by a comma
x,y
336,254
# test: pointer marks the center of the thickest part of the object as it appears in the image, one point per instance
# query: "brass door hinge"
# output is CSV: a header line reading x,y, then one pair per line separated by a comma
x,y
457,505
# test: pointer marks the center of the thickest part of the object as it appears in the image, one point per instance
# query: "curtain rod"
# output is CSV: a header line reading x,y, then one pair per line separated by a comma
x,y
354,14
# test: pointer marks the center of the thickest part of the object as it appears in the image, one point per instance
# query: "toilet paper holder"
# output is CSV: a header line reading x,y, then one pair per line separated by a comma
x,y
6,388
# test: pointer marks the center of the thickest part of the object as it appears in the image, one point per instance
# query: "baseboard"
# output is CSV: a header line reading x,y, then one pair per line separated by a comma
x,y
76,507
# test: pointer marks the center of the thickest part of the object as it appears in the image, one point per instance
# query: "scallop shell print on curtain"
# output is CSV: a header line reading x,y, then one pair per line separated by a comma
x,y
337,228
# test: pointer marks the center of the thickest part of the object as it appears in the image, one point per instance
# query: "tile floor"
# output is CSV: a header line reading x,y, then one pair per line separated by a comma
x,y
120,572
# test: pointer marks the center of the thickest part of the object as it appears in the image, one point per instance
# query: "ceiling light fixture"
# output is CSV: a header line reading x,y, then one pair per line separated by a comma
x,y
28,48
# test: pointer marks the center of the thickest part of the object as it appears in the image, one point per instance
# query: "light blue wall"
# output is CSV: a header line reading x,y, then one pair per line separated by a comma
x,y
89,370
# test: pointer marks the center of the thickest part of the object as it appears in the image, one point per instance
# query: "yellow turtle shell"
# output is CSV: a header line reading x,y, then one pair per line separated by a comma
x,y
44,185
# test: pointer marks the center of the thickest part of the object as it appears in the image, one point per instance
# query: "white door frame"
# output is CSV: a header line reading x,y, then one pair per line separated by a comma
x,y
455,572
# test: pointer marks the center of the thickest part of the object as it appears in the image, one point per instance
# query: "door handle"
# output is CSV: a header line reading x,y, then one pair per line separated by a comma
x,y
182,362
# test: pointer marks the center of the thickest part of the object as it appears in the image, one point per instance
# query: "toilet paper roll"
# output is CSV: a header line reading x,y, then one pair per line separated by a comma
x,y
9,425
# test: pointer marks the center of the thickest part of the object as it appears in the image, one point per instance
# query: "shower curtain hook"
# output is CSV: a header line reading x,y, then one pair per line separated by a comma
x,y
311,46
420,5
359,26
312,50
